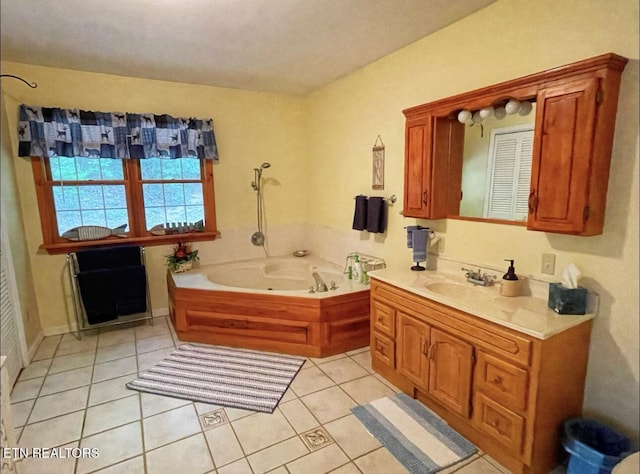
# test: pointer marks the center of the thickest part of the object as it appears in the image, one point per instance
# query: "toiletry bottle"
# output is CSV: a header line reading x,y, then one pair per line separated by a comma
x,y
349,269
356,269
510,284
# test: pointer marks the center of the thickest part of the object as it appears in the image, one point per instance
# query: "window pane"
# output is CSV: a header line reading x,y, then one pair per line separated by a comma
x,y
63,168
68,220
150,168
176,214
94,217
65,198
171,169
174,194
195,214
193,193
190,168
154,216
116,218
111,169
88,168
91,197
153,195
114,197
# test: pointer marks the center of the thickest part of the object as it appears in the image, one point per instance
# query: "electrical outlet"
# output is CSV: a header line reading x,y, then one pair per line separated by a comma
x,y
440,247
548,263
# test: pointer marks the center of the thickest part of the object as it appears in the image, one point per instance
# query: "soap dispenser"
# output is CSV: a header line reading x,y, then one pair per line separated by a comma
x,y
510,283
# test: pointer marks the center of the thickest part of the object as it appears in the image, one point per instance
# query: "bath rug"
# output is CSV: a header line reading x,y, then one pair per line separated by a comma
x,y
417,437
226,376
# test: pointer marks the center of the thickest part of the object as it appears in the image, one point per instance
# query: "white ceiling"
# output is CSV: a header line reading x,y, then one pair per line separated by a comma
x,y
287,46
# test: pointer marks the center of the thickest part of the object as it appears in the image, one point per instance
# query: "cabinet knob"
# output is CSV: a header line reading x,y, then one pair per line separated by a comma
x,y
497,380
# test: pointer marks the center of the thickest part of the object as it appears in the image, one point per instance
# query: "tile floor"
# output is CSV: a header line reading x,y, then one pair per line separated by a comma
x,y
73,395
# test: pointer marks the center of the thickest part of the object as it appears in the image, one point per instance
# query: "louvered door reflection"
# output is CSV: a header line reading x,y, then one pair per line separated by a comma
x,y
509,174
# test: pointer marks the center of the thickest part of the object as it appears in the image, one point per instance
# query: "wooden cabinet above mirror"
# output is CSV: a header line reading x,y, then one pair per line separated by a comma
x,y
575,110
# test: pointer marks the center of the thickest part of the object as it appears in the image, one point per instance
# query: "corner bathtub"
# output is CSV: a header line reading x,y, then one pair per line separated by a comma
x,y
265,304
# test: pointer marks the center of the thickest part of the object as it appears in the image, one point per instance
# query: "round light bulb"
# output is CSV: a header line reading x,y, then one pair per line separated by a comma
x,y
464,116
486,112
525,108
512,107
476,117
500,113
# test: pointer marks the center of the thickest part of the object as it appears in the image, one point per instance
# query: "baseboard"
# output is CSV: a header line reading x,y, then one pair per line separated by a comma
x,y
66,328
33,348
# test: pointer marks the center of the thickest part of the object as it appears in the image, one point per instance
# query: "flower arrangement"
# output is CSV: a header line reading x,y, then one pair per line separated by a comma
x,y
182,257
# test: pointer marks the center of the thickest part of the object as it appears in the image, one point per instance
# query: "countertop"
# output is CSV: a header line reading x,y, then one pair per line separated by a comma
x,y
526,314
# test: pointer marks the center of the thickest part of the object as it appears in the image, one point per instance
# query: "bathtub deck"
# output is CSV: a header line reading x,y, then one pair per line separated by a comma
x,y
277,323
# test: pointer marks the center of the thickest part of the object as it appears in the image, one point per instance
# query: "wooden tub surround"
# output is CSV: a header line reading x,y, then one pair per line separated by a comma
x,y
309,326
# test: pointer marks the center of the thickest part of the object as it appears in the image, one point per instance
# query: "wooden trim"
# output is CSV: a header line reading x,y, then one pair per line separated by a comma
x,y
132,182
525,87
490,221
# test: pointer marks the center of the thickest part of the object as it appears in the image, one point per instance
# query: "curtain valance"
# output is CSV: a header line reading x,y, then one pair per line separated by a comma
x,y
47,131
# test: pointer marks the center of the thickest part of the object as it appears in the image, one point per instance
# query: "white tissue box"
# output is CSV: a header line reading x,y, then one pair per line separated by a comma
x,y
567,300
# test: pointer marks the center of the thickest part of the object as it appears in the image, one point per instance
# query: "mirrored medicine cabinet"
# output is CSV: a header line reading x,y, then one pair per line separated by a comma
x,y
545,165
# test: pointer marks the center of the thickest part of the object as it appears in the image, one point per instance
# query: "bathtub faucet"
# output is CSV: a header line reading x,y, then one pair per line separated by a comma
x,y
320,284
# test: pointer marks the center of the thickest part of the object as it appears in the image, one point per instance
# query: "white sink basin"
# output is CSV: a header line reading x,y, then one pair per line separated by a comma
x,y
452,289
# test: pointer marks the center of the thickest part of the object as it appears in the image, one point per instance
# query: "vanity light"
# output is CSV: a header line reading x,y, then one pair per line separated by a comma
x,y
525,108
464,116
512,107
477,118
500,113
486,112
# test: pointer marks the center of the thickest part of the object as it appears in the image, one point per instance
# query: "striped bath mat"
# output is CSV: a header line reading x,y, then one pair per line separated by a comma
x,y
416,436
239,378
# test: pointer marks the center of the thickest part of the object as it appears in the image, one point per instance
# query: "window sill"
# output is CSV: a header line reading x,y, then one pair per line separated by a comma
x,y
73,246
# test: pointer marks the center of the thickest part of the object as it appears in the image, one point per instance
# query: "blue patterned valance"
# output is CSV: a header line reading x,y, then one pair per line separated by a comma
x,y
46,131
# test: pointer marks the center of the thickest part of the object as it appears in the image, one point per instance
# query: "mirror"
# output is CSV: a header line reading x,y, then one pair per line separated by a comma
x,y
496,167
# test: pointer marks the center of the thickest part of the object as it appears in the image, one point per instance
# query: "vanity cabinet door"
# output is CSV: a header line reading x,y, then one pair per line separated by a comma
x,y
412,346
417,174
450,370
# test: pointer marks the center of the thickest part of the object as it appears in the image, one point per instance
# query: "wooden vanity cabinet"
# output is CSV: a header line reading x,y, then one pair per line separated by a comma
x,y
576,109
504,390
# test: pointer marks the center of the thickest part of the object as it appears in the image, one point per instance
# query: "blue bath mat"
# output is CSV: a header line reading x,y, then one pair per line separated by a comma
x,y
416,436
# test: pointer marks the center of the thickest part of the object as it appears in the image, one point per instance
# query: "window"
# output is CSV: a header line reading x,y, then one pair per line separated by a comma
x,y
133,198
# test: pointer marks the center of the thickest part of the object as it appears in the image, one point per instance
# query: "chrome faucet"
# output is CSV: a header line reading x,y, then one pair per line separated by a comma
x,y
320,284
478,278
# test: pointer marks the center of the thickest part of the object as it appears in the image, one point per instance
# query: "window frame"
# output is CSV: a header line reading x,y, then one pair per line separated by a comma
x,y
132,181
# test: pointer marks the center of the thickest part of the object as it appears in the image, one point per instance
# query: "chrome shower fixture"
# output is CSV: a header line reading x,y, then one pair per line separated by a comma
x,y
258,237
255,184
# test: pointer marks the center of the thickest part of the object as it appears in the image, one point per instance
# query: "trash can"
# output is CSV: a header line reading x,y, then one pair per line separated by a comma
x,y
593,447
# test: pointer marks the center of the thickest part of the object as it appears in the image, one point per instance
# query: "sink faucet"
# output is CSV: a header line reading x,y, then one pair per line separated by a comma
x,y
478,278
320,284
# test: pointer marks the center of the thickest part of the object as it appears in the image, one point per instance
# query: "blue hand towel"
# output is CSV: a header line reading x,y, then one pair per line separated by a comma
x,y
419,239
376,215
410,229
360,213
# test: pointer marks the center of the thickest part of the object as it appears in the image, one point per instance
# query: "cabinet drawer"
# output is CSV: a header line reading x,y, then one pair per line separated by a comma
x,y
384,318
383,349
498,422
502,381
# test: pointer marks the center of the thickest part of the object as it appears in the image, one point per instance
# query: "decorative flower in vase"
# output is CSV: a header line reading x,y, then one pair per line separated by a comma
x,y
182,254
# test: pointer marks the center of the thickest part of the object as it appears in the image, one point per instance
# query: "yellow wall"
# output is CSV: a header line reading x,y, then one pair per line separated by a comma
x,y
251,127
320,146
508,39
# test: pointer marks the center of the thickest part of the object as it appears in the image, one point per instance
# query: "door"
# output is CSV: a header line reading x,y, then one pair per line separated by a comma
x,y
412,342
12,342
417,173
562,157
450,369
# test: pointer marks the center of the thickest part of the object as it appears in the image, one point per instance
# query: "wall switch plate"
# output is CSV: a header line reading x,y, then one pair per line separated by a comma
x,y
440,245
548,263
